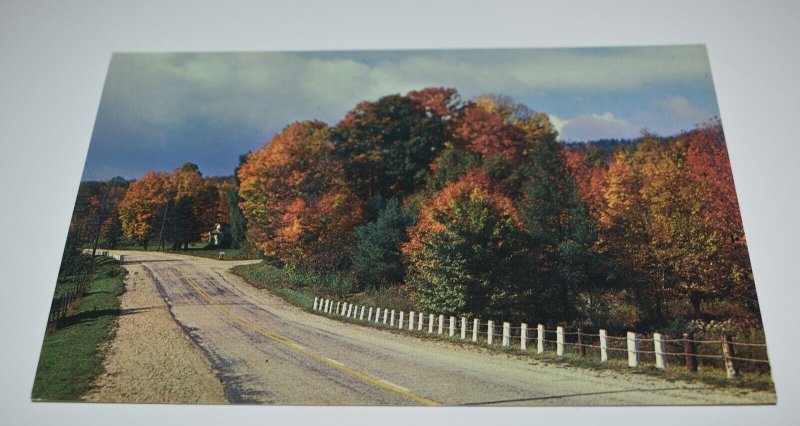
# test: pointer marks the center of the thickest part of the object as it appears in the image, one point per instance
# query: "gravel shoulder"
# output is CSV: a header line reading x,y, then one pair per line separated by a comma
x,y
150,359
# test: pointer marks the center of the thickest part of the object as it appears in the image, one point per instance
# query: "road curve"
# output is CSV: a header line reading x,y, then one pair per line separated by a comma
x,y
266,351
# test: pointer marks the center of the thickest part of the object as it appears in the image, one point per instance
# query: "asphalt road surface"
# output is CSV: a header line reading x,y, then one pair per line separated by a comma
x,y
266,351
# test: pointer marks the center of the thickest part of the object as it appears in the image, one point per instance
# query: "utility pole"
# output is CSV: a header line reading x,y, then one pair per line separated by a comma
x,y
163,221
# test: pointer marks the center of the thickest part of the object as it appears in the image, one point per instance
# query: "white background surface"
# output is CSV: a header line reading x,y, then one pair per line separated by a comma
x,y
53,60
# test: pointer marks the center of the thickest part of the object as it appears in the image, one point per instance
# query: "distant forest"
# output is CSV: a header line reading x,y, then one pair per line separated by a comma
x,y
469,208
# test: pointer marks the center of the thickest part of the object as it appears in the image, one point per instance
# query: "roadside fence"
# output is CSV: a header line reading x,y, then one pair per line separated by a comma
x,y
656,349
67,293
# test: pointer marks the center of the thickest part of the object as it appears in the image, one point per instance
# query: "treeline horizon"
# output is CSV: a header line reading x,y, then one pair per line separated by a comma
x,y
470,208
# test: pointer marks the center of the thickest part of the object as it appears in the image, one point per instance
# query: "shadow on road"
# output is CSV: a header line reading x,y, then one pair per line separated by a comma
x,y
93,315
542,398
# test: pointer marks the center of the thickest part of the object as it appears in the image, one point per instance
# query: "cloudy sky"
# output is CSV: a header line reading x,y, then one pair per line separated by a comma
x,y
161,110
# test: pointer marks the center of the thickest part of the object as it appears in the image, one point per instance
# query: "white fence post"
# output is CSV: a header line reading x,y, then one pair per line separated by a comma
x,y
349,310
391,320
452,326
325,306
523,337
421,321
489,332
369,314
401,322
603,346
659,343
441,324
559,341
463,328
411,321
361,315
430,324
476,323
633,350
337,307
540,339
506,342
316,301
386,315
355,311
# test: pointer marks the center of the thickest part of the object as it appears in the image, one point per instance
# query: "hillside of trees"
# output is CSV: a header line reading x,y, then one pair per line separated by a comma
x,y
469,208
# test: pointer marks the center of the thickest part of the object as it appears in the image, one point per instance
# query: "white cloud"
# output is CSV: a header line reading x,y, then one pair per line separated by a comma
x,y
681,108
587,127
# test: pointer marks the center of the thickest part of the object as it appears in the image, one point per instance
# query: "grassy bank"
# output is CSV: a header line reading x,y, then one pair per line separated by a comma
x,y
72,356
300,288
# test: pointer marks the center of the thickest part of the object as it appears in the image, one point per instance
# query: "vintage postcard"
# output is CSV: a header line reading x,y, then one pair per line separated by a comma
x,y
444,227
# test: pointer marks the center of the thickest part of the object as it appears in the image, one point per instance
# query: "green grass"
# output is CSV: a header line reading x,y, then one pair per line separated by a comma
x,y
276,280
72,356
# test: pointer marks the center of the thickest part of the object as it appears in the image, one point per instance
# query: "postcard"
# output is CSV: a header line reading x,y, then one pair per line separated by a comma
x,y
426,227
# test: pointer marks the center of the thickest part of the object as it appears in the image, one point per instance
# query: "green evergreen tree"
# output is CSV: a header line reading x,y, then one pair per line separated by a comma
x,y
376,255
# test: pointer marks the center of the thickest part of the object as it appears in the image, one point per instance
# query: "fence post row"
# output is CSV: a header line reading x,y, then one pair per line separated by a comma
x,y
416,321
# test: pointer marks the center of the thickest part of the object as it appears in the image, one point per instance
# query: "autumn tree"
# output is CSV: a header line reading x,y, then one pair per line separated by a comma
x,y
727,272
496,125
387,145
465,256
141,209
193,206
296,201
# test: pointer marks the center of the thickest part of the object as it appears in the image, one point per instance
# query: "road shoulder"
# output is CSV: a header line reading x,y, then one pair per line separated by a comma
x,y
150,359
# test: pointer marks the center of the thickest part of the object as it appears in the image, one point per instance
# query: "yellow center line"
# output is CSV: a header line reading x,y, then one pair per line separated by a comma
x,y
383,384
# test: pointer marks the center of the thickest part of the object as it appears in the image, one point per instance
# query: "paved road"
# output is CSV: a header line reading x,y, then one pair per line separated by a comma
x,y
268,352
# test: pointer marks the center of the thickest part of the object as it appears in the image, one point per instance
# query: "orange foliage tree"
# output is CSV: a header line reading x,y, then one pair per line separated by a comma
x,y
296,202
140,211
